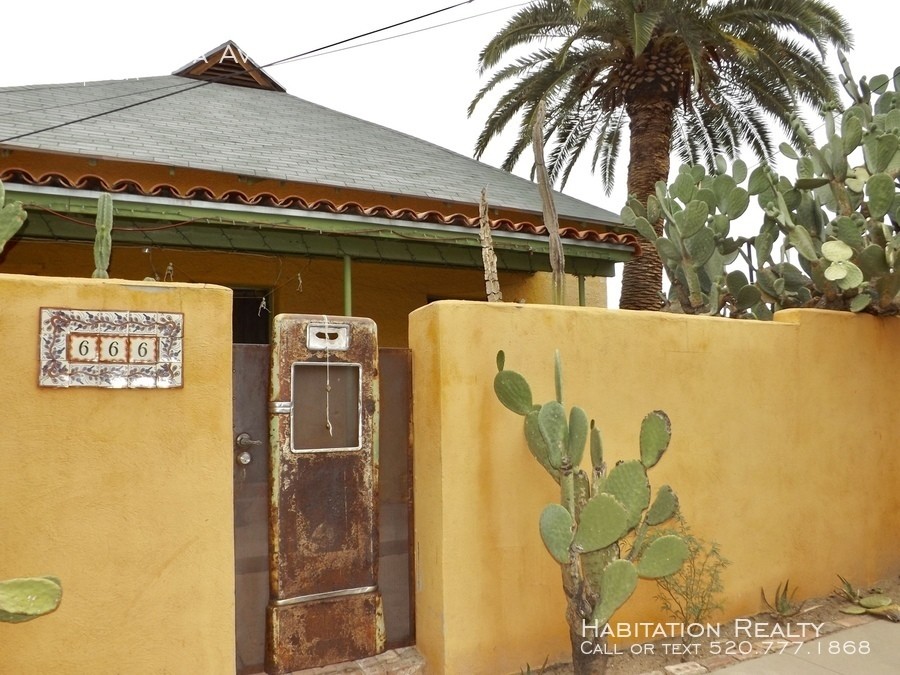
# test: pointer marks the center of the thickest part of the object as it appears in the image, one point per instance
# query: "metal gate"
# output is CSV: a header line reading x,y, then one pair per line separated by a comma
x,y
255,564
250,384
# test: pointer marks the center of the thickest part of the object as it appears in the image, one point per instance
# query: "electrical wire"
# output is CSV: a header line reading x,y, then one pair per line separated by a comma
x,y
102,114
93,100
227,76
411,32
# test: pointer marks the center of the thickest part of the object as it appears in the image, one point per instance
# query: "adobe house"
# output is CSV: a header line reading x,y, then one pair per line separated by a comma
x,y
219,176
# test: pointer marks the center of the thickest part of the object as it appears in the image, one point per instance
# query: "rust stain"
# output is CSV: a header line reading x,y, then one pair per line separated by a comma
x,y
312,634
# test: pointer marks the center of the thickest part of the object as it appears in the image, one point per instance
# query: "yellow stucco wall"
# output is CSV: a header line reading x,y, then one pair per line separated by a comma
x,y
783,451
126,495
383,292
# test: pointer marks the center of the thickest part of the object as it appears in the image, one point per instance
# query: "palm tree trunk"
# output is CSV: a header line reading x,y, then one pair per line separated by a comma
x,y
651,136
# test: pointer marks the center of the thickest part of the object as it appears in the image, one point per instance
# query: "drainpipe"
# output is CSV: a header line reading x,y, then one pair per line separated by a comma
x,y
348,287
582,296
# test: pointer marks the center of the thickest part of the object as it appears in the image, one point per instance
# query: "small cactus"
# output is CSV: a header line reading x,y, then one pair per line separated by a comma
x,y
875,603
782,605
597,514
103,239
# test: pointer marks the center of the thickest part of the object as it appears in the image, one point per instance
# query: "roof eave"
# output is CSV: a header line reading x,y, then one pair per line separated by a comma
x,y
286,230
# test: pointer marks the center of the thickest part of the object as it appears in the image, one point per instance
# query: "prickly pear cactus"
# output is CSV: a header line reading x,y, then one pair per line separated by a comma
x,y
698,210
28,598
598,531
103,239
12,216
877,605
839,219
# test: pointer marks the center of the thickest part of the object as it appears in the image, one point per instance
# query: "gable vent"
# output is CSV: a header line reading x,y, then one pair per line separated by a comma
x,y
228,64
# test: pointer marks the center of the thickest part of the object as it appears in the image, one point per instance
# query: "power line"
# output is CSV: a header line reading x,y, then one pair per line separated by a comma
x,y
93,100
292,59
229,75
411,32
367,34
103,114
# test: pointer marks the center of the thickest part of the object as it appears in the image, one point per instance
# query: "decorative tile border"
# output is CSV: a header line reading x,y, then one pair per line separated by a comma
x,y
113,349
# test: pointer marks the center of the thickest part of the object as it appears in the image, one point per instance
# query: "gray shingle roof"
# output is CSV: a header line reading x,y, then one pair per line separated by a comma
x,y
259,133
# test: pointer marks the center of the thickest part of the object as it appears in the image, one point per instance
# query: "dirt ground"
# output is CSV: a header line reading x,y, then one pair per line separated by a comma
x,y
727,648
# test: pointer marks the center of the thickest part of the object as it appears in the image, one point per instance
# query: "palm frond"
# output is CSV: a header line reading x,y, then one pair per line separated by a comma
x,y
746,64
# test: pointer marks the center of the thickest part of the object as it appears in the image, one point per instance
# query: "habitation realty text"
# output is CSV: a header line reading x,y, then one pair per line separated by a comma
x,y
747,635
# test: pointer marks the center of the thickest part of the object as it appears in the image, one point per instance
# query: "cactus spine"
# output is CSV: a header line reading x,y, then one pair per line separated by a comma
x,y
103,238
599,516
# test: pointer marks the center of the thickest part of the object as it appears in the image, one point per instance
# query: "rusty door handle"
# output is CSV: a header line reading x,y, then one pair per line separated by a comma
x,y
244,441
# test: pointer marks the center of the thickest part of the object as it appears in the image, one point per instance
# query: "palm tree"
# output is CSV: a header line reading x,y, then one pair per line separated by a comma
x,y
696,77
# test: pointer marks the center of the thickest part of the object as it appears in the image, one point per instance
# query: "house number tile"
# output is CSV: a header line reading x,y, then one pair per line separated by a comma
x,y
114,349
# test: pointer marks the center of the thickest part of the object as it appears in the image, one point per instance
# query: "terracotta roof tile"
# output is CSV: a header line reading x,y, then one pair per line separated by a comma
x,y
203,193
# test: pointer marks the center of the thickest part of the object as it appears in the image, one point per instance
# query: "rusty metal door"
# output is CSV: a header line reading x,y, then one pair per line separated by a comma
x,y
250,379
324,604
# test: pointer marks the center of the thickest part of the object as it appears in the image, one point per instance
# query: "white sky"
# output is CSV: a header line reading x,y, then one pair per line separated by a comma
x,y
420,84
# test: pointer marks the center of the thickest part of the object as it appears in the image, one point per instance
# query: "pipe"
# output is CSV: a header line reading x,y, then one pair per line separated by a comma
x,y
348,287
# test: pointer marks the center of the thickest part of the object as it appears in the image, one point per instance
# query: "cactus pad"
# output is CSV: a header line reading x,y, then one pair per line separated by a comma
x,y
656,430
557,531
596,448
836,251
873,601
853,609
662,557
664,506
28,598
695,215
747,297
12,216
880,191
860,302
736,202
513,391
628,483
617,583
552,423
578,434
536,443
603,522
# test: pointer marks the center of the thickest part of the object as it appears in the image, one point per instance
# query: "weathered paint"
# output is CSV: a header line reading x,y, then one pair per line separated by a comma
x,y
125,495
323,520
325,631
303,285
782,451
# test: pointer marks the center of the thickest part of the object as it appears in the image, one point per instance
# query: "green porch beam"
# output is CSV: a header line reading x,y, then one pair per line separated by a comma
x,y
282,231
